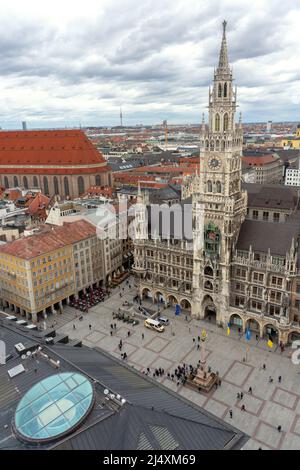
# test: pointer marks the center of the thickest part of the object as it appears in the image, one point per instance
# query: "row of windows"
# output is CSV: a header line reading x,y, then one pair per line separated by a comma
x,y
45,182
259,277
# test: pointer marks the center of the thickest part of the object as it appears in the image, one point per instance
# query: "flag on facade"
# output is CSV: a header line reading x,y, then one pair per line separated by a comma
x,y
270,342
228,328
177,309
248,334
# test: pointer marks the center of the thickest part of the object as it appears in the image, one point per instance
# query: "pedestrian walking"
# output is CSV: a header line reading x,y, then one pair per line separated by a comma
x,y
256,337
74,327
143,336
111,333
90,327
270,380
115,326
128,334
194,340
198,346
279,428
243,408
238,396
264,366
242,395
250,390
198,339
230,413
279,379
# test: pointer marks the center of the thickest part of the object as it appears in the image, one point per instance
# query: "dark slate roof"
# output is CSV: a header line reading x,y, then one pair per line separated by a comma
x,y
263,236
168,193
153,417
271,196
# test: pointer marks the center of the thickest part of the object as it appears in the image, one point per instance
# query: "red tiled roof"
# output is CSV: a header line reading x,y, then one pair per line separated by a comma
x,y
258,160
39,202
40,149
50,239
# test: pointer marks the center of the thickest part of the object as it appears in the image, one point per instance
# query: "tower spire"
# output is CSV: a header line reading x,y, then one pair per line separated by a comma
x,y
223,58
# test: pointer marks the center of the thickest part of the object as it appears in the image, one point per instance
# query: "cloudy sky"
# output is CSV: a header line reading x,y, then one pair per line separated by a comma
x,y
65,62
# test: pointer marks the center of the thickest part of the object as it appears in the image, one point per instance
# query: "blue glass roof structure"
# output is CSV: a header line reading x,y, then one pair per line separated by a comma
x,y
54,406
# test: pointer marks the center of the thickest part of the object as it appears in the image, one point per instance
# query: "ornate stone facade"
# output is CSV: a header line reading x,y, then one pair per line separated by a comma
x,y
238,271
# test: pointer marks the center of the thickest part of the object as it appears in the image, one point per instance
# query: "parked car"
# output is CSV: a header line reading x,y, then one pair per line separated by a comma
x,y
153,325
163,320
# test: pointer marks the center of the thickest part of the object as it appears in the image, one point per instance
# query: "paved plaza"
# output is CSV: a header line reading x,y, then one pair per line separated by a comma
x,y
238,362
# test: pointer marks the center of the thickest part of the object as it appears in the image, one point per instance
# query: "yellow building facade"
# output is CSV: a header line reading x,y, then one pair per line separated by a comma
x,y
32,285
294,142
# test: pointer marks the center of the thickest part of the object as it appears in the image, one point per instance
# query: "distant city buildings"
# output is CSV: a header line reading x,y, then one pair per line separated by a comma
x,y
292,141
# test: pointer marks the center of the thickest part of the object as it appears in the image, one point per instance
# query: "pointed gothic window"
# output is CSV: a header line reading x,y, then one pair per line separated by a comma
x,y
207,144
220,91
46,185
217,123
209,186
66,186
56,187
25,182
225,90
35,182
225,122
6,183
218,187
80,183
16,182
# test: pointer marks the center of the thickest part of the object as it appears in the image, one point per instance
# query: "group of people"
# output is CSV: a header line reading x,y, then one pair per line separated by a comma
x,y
88,300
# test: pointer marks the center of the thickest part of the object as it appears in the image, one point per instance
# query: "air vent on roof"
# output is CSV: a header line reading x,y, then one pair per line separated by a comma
x,y
16,371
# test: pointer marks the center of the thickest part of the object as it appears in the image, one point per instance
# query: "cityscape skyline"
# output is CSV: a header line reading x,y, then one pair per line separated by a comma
x,y
65,67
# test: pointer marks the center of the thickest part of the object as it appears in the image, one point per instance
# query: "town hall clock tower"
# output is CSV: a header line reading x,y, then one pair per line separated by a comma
x,y
219,203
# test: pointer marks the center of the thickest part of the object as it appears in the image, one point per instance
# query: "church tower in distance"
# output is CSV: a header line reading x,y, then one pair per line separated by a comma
x,y
219,203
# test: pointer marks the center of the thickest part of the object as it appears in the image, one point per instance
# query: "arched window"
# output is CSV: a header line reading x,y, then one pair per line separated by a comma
x,y
209,186
218,187
208,285
223,145
16,182
25,182
217,123
217,144
55,184
97,180
6,183
206,144
46,186
66,186
220,91
211,145
80,183
225,90
208,271
225,122
35,182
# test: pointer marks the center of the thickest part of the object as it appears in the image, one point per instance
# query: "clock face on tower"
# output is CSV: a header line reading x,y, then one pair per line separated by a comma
x,y
214,163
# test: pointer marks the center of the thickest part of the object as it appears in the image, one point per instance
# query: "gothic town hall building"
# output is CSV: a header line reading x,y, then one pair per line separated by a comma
x,y
243,263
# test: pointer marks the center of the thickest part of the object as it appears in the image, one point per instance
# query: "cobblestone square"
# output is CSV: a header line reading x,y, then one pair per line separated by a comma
x,y
238,363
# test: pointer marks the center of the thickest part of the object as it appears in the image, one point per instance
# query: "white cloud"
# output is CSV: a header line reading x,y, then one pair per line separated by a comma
x,y
68,61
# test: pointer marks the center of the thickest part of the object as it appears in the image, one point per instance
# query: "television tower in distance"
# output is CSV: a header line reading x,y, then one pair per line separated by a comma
x,y
121,117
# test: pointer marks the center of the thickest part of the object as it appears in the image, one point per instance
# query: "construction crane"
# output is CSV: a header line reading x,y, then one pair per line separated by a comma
x,y
165,125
